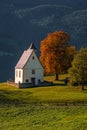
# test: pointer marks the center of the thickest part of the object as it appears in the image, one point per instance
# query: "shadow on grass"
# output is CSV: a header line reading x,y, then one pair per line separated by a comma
x,y
61,80
15,98
59,84
50,84
85,90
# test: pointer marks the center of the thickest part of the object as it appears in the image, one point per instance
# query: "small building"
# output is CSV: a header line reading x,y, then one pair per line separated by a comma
x,y
29,69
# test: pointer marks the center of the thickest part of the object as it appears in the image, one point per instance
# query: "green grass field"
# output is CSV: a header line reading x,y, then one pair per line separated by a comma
x,y
38,109
43,118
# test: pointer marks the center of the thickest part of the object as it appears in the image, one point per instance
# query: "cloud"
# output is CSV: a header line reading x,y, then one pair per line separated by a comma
x,y
6,54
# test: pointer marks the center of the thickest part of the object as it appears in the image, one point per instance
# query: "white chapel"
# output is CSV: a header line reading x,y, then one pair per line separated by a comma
x,y
29,69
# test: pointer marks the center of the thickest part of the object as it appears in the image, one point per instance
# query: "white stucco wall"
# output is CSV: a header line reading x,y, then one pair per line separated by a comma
x,y
18,75
26,72
38,75
33,64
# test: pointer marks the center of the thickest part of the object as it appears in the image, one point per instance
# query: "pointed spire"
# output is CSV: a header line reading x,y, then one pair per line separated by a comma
x,y
32,46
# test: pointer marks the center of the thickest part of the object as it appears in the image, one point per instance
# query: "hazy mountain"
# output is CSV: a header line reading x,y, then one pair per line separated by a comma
x,y
22,22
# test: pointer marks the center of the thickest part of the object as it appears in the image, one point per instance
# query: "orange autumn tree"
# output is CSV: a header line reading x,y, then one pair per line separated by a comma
x,y
54,52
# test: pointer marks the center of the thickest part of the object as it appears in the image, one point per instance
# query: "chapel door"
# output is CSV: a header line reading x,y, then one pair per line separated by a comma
x,y
33,80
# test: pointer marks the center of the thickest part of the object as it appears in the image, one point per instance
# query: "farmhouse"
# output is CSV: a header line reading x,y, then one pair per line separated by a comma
x,y
29,69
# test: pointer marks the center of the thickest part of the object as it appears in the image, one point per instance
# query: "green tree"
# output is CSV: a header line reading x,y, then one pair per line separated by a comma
x,y
55,52
78,71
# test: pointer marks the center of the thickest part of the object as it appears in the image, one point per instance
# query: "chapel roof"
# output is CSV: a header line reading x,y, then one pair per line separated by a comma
x,y
32,46
25,57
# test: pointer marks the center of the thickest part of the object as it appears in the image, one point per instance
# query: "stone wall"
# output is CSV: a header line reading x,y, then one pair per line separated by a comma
x,y
29,85
12,83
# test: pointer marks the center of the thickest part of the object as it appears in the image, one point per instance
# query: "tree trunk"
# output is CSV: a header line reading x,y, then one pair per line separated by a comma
x,y
57,76
82,86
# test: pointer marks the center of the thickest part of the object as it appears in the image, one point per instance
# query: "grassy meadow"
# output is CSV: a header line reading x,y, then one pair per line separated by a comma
x,y
43,118
41,108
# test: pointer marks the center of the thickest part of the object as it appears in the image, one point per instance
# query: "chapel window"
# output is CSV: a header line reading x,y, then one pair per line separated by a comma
x,y
33,57
33,71
19,73
16,73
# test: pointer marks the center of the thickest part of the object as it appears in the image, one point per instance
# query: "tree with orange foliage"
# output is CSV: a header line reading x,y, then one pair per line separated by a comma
x,y
54,49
